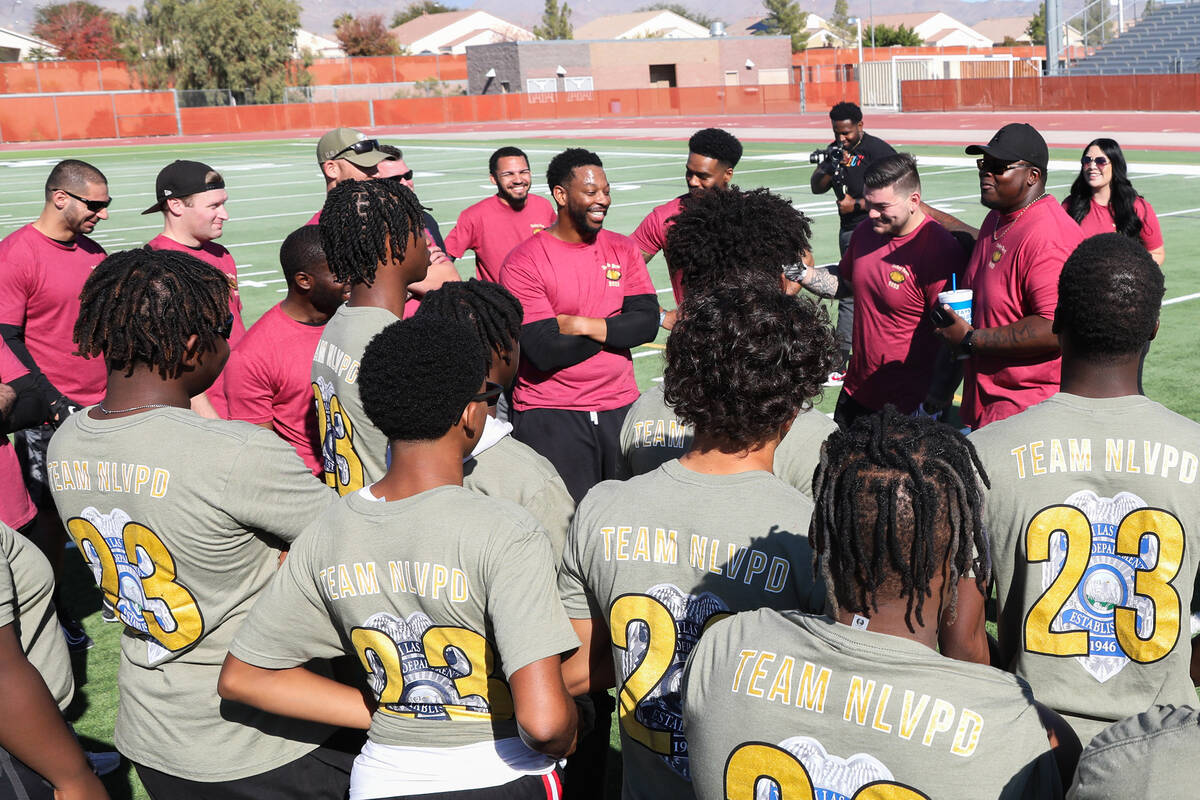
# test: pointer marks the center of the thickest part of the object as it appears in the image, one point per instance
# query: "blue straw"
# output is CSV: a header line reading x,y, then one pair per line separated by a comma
x,y
954,282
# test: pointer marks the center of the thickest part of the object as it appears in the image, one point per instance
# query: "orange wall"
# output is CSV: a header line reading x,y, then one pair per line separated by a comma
x,y
1078,93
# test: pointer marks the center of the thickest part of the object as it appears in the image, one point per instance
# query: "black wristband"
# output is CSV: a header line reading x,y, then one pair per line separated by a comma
x,y
967,345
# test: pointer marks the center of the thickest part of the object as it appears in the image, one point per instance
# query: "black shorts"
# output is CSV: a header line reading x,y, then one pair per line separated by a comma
x,y
19,782
530,787
323,774
584,446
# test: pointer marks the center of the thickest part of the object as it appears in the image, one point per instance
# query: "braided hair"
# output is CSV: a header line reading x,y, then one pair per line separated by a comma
x,y
140,306
489,308
367,223
897,499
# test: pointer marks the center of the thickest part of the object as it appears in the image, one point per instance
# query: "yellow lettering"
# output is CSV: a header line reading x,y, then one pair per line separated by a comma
x,y
158,485
1113,449
368,583
641,546
1019,453
666,546
607,533
458,586
623,542
781,689
1036,458
885,692
966,738
858,700
759,672
940,720
344,585
1058,457
743,659
811,693
909,716
1081,455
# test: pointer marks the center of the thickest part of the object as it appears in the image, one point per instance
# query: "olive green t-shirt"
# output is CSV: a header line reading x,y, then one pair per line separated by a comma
x,y
181,519
1153,754
1094,522
513,470
354,451
442,596
656,559
652,435
27,603
822,710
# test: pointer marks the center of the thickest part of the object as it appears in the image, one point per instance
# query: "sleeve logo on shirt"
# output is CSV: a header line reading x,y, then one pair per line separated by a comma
x,y
536,227
613,273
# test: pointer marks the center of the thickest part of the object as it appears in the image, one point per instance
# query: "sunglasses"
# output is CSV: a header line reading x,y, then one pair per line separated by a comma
x,y
491,394
94,206
1099,161
993,167
360,147
226,328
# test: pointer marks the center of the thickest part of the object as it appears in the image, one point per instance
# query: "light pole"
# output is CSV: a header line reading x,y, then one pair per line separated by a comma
x,y
871,17
858,24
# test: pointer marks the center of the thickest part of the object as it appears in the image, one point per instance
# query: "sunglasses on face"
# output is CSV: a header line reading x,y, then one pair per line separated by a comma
x,y
360,147
226,328
94,206
1099,161
491,394
994,167
407,176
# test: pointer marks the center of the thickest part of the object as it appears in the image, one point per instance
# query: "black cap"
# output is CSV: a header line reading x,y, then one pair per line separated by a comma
x,y
180,179
1016,141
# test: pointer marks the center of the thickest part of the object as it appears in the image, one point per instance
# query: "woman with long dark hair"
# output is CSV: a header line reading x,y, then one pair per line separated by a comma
x,y
1102,199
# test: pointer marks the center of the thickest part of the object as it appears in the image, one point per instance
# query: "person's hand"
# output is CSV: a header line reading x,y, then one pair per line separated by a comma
x,y
956,330
436,254
846,205
60,409
669,319
8,398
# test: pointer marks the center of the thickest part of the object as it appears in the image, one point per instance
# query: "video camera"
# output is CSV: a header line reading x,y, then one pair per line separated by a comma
x,y
833,154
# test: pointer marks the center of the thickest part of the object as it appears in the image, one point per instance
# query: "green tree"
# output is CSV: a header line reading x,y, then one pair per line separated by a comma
x,y
556,22
886,36
365,36
1036,29
683,11
840,18
416,9
241,45
786,18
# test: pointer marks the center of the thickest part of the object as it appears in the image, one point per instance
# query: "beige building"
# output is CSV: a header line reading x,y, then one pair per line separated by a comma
x,y
454,31
935,28
659,24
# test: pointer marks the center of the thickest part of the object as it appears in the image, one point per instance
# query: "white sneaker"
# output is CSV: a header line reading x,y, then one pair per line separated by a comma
x,y
835,378
103,763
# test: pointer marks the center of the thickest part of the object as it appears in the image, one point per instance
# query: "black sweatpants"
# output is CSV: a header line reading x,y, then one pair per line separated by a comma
x,y
584,446
323,774
530,787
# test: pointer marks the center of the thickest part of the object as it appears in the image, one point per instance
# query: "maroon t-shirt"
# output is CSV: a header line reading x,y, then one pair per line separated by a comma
x,y
267,379
16,509
651,237
896,281
1099,219
1014,277
492,229
552,277
40,282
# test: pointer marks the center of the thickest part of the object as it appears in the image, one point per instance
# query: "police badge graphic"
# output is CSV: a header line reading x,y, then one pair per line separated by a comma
x,y
662,708
833,777
428,689
1108,582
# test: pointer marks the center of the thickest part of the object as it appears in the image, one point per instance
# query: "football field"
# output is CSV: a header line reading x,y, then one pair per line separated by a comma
x,y
275,186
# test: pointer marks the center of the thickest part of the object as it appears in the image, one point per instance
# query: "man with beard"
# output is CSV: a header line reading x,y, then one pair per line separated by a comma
x,y
1012,353
712,156
494,226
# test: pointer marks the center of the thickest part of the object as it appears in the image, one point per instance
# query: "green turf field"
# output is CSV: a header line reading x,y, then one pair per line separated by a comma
x,y
275,186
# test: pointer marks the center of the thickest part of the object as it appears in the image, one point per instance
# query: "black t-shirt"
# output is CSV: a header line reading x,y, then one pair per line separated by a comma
x,y
870,148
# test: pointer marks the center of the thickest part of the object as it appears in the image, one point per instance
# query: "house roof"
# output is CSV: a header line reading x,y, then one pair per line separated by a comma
x,y
428,24
996,28
615,25
911,20
746,26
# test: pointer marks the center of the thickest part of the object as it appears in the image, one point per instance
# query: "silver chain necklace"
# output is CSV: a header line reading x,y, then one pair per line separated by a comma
x,y
104,410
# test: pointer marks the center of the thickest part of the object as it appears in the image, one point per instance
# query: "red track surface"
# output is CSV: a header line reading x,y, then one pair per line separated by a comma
x,y
1135,130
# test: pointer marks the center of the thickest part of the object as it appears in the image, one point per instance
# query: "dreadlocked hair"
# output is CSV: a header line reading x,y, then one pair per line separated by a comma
x,y
360,220
489,308
140,306
898,499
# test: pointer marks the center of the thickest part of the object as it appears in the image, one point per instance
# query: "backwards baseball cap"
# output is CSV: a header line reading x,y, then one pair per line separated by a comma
x,y
351,145
1016,141
180,179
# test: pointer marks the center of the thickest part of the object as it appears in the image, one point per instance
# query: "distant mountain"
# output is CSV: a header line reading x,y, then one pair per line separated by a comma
x,y
318,15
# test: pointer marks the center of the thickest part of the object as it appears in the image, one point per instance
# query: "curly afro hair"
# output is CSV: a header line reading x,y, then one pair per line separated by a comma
x,y
418,375
718,144
897,499
140,306
744,359
845,110
719,233
558,173
1109,295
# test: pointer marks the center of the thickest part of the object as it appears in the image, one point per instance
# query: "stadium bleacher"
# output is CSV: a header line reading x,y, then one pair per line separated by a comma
x,y
1166,41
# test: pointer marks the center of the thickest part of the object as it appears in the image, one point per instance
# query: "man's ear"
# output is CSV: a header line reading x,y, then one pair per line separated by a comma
x,y
329,170
173,206
560,195
1154,332
303,280
191,350
473,418
492,178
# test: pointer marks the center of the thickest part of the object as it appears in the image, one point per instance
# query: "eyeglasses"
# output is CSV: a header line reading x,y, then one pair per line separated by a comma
x,y
1100,161
994,167
360,147
491,394
226,328
94,206
407,176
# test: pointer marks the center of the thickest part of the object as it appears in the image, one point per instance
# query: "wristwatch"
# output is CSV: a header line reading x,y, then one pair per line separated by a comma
x,y
967,345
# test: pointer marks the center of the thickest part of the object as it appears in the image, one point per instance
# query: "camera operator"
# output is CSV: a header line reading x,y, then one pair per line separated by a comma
x,y
841,166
